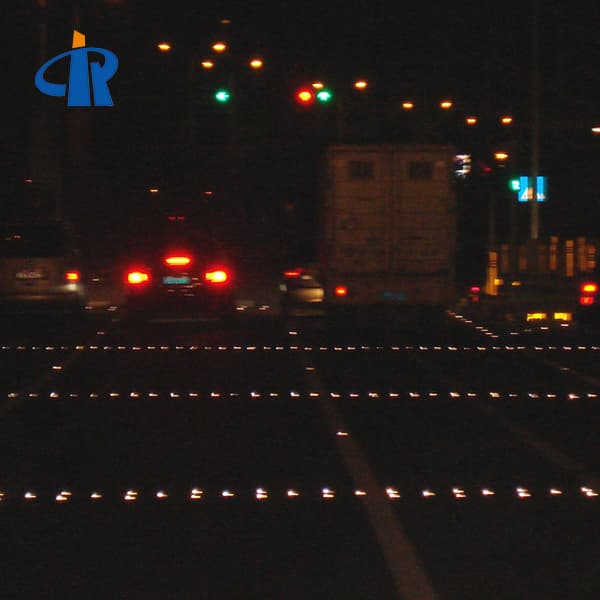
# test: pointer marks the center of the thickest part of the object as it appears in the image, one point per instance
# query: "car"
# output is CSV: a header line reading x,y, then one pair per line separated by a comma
x,y
178,274
41,268
302,291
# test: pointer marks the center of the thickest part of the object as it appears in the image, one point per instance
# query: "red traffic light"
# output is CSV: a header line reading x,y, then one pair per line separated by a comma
x,y
305,96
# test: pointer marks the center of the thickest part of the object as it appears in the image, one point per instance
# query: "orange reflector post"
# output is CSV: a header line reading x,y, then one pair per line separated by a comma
x,y
178,261
137,277
72,276
216,276
341,290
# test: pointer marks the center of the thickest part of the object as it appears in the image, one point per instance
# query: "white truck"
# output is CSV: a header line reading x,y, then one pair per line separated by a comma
x,y
388,225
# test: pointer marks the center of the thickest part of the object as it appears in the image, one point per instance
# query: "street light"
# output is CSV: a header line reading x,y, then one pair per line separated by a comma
x,y
219,47
471,120
446,104
256,63
207,64
506,120
408,105
361,84
164,46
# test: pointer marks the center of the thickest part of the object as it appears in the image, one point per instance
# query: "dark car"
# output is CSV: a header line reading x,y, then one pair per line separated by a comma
x,y
302,291
40,268
178,274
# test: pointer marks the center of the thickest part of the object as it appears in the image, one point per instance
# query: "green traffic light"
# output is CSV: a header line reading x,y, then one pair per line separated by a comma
x,y
324,96
222,96
513,185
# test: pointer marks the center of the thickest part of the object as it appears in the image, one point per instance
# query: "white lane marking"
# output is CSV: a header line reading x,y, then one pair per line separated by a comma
x,y
407,571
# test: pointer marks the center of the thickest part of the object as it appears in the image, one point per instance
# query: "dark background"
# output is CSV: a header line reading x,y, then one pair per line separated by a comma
x,y
259,154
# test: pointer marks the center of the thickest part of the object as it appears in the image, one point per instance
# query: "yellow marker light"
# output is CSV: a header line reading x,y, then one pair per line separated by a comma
x,y
256,63
164,47
219,47
537,316
500,155
471,120
153,190
207,64
318,85
446,104
563,316
506,120
361,84
408,105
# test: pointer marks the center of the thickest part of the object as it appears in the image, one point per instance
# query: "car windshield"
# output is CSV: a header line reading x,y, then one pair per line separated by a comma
x,y
36,241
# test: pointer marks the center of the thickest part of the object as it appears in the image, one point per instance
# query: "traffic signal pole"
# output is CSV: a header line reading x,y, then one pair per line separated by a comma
x,y
535,121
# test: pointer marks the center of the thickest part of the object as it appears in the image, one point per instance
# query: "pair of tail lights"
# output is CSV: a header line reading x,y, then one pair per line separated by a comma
x,y
587,293
140,276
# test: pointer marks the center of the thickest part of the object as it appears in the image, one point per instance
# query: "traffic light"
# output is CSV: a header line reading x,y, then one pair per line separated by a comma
x,y
222,96
305,96
324,96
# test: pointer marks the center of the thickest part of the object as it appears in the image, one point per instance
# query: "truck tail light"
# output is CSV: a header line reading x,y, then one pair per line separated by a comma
x,y
72,276
217,276
341,291
137,277
587,300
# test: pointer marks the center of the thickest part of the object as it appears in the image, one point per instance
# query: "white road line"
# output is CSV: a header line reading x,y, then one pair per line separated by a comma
x,y
407,571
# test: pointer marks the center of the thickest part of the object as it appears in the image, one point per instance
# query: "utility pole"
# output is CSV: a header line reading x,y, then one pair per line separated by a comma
x,y
535,121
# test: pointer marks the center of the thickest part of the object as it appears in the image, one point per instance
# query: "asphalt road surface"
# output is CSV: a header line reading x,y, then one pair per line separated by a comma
x,y
369,456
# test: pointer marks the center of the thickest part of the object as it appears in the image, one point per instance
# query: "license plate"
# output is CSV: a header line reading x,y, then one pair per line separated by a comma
x,y
28,274
172,280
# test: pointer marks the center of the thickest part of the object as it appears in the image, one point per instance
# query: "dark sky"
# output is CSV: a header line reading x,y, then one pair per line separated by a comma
x,y
478,53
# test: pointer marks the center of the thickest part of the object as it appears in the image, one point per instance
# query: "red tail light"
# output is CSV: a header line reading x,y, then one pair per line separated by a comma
x,y
72,276
293,273
341,290
179,260
589,287
137,277
475,289
587,300
217,276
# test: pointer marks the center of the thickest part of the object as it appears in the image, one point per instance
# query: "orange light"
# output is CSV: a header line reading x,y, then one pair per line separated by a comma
x,y
506,120
164,47
318,85
207,64
589,288
153,190
408,105
587,300
446,104
341,290
471,120
292,274
256,63
178,261
305,96
500,156
219,47
216,276
361,84
137,277
72,276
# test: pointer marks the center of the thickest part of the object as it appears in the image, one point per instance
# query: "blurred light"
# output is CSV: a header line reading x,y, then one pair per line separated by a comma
x,y
72,276
304,96
225,21
216,276
462,165
361,84
318,85
500,155
596,130
137,277
324,96
164,47
341,291
471,120
563,316
219,47
506,120
256,63
587,300
589,288
408,105
177,261
28,180
446,104
222,96
207,64
514,185
153,190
